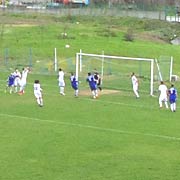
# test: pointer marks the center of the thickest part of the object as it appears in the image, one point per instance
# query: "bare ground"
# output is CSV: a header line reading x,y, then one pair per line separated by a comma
x,y
103,92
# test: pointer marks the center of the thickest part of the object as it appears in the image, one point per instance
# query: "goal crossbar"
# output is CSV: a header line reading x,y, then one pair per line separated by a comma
x,y
114,57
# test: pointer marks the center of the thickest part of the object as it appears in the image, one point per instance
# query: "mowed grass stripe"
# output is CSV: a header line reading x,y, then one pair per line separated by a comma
x,y
93,127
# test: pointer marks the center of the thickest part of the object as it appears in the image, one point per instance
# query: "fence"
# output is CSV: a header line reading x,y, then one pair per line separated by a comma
x,y
19,58
140,10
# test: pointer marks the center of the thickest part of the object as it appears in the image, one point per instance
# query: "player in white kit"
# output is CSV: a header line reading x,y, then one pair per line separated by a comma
x,y
135,84
61,81
23,81
38,93
163,97
17,80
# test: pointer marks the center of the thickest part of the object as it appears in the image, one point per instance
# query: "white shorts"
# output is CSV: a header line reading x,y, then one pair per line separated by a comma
x,y
61,83
163,99
38,95
135,87
23,82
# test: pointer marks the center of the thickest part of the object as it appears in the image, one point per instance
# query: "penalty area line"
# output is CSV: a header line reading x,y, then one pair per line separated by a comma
x,y
94,127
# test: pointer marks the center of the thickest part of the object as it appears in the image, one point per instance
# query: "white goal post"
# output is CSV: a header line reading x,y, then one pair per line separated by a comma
x,y
165,68
80,61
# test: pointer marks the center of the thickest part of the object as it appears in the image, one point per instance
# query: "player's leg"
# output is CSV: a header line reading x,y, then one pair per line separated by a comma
x,y
62,90
15,86
22,87
76,92
135,89
10,89
93,90
38,101
93,94
166,102
37,98
96,93
41,100
174,106
100,88
160,102
61,87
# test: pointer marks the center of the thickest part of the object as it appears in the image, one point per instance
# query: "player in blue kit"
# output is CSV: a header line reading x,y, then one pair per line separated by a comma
x,y
172,98
93,85
10,83
74,84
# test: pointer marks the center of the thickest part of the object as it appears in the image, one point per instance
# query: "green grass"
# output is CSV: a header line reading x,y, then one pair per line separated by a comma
x,y
111,138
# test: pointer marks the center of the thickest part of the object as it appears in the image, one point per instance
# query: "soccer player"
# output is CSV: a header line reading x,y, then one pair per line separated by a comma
x,y
17,79
38,93
61,81
163,97
135,84
23,82
74,84
98,80
10,83
92,84
172,98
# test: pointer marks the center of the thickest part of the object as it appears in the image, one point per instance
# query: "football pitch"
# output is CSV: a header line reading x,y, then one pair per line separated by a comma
x,y
114,137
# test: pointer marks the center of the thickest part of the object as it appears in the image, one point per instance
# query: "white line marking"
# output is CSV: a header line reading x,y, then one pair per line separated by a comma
x,y
95,128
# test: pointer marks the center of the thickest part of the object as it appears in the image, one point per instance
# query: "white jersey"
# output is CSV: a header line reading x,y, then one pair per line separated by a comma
x,y
61,78
163,90
17,76
134,80
163,97
24,74
37,90
24,77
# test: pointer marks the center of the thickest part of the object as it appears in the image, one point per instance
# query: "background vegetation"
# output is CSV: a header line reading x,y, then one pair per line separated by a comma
x,y
120,36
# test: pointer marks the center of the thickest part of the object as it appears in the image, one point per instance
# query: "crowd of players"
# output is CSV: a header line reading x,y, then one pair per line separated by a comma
x,y
93,79
164,95
17,83
17,80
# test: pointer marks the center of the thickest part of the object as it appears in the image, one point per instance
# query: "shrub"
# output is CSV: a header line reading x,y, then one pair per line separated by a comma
x,y
129,36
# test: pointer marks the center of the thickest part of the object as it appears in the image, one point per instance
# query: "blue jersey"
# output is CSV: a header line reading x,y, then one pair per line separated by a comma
x,y
172,95
92,82
11,80
74,82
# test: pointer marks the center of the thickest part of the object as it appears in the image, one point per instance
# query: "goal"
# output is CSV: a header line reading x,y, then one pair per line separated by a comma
x,y
115,71
165,67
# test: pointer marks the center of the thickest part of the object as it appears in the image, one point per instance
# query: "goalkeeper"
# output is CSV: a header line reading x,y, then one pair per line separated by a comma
x,y
98,80
135,84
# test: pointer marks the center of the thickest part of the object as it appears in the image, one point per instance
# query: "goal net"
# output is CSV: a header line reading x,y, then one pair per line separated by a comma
x,y
115,71
164,66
